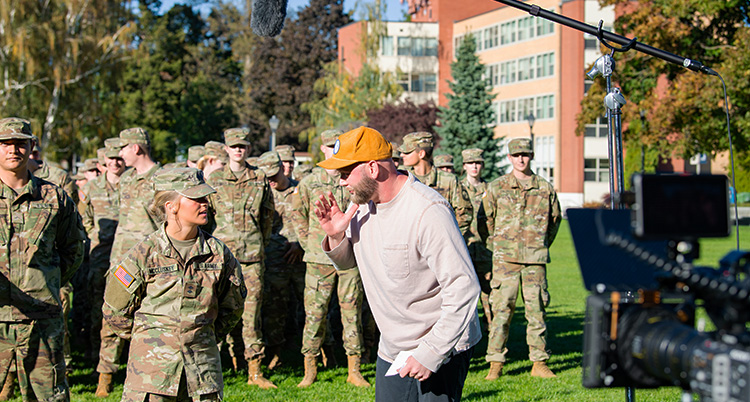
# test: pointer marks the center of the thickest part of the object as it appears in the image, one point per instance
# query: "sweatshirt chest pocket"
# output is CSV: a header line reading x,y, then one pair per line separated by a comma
x,y
395,258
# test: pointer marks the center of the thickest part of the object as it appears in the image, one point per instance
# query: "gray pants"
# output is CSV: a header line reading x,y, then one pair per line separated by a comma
x,y
445,385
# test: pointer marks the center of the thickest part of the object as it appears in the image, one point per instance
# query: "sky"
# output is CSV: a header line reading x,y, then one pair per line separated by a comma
x,y
394,9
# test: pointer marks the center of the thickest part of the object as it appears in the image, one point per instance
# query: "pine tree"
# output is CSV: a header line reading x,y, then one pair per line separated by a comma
x,y
465,123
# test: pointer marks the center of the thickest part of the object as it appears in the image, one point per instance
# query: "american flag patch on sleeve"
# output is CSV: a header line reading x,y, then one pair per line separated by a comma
x,y
123,276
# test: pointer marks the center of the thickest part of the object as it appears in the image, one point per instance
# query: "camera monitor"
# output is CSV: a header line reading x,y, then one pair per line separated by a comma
x,y
606,265
680,207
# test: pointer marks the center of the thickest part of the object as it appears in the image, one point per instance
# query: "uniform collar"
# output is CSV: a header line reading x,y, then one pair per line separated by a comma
x,y
201,247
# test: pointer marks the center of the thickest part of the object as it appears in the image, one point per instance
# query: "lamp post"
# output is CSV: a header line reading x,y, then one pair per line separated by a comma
x,y
531,119
274,123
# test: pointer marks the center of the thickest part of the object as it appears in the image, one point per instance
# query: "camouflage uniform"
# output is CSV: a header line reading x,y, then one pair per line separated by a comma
x,y
243,211
481,257
101,213
283,281
522,221
321,277
445,183
39,227
61,178
176,309
134,224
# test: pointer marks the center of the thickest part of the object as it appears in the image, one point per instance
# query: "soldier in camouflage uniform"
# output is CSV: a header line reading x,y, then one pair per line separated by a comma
x,y
214,158
195,153
481,257
243,211
59,177
284,279
101,212
523,216
300,171
286,154
322,278
135,222
40,228
173,295
416,155
444,162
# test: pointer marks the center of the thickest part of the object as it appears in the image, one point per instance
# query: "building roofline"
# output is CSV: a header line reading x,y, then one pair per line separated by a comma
x,y
477,15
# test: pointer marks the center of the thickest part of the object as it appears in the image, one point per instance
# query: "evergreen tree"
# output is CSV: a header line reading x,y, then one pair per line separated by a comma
x,y
465,123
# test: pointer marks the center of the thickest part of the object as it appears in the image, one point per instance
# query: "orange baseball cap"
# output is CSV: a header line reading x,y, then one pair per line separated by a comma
x,y
362,144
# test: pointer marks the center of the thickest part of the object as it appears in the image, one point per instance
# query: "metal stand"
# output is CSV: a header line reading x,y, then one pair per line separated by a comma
x,y
613,101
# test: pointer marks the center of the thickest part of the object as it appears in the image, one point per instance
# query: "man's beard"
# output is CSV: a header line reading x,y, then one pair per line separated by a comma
x,y
364,190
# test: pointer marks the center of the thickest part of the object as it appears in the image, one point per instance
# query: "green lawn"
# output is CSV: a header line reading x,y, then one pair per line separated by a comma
x,y
565,317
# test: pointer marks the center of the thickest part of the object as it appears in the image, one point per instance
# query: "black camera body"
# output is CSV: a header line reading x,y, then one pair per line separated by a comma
x,y
639,330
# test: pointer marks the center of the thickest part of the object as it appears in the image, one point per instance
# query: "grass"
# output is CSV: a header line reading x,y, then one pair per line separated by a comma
x,y
565,320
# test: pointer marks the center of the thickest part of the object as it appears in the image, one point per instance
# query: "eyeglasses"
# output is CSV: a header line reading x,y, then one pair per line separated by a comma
x,y
520,154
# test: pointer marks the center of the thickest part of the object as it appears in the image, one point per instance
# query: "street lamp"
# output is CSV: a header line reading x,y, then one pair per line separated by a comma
x,y
274,123
531,119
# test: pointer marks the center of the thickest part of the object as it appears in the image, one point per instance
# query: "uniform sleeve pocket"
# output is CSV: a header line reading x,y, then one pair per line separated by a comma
x,y
395,258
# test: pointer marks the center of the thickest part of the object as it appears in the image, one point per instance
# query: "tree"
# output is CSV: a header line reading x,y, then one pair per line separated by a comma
x,y
347,99
55,53
396,120
684,109
465,123
284,69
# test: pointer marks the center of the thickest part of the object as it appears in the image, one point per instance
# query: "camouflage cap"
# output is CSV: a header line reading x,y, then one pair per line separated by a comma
x,y
78,176
15,128
89,165
196,152
396,154
329,137
472,155
188,182
520,146
443,161
252,161
286,153
301,171
112,147
100,156
237,136
216,149
412,141
269,163
134,135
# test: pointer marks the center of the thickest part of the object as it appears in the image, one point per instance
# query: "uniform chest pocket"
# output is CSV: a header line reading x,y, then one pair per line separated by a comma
x,y
395,258
41,218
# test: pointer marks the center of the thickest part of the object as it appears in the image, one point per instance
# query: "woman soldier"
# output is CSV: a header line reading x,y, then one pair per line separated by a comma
x,y
173,295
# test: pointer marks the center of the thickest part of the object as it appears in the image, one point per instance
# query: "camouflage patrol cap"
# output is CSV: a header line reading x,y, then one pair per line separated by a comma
x,y
301,171
252,161
134,135
237,136
216,150
395,154
443,161
412,141
520,146
286,153
112,147
269,163
196,152
100,155
188,182
329,137
15,128
89,165
472,155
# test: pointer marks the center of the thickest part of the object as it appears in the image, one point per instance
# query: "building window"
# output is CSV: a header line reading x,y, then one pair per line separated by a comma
x,y
495,113
431,47
544,26
491,74
525,107
478,39
545,65
587,84
508,33
596,170
423,83
404,46
544,157
403,80
508,111
598,129
526,69
545,107
490,37
386,45
508,72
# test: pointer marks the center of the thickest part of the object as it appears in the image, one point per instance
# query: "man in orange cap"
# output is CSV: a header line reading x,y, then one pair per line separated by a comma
x,y
415,268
